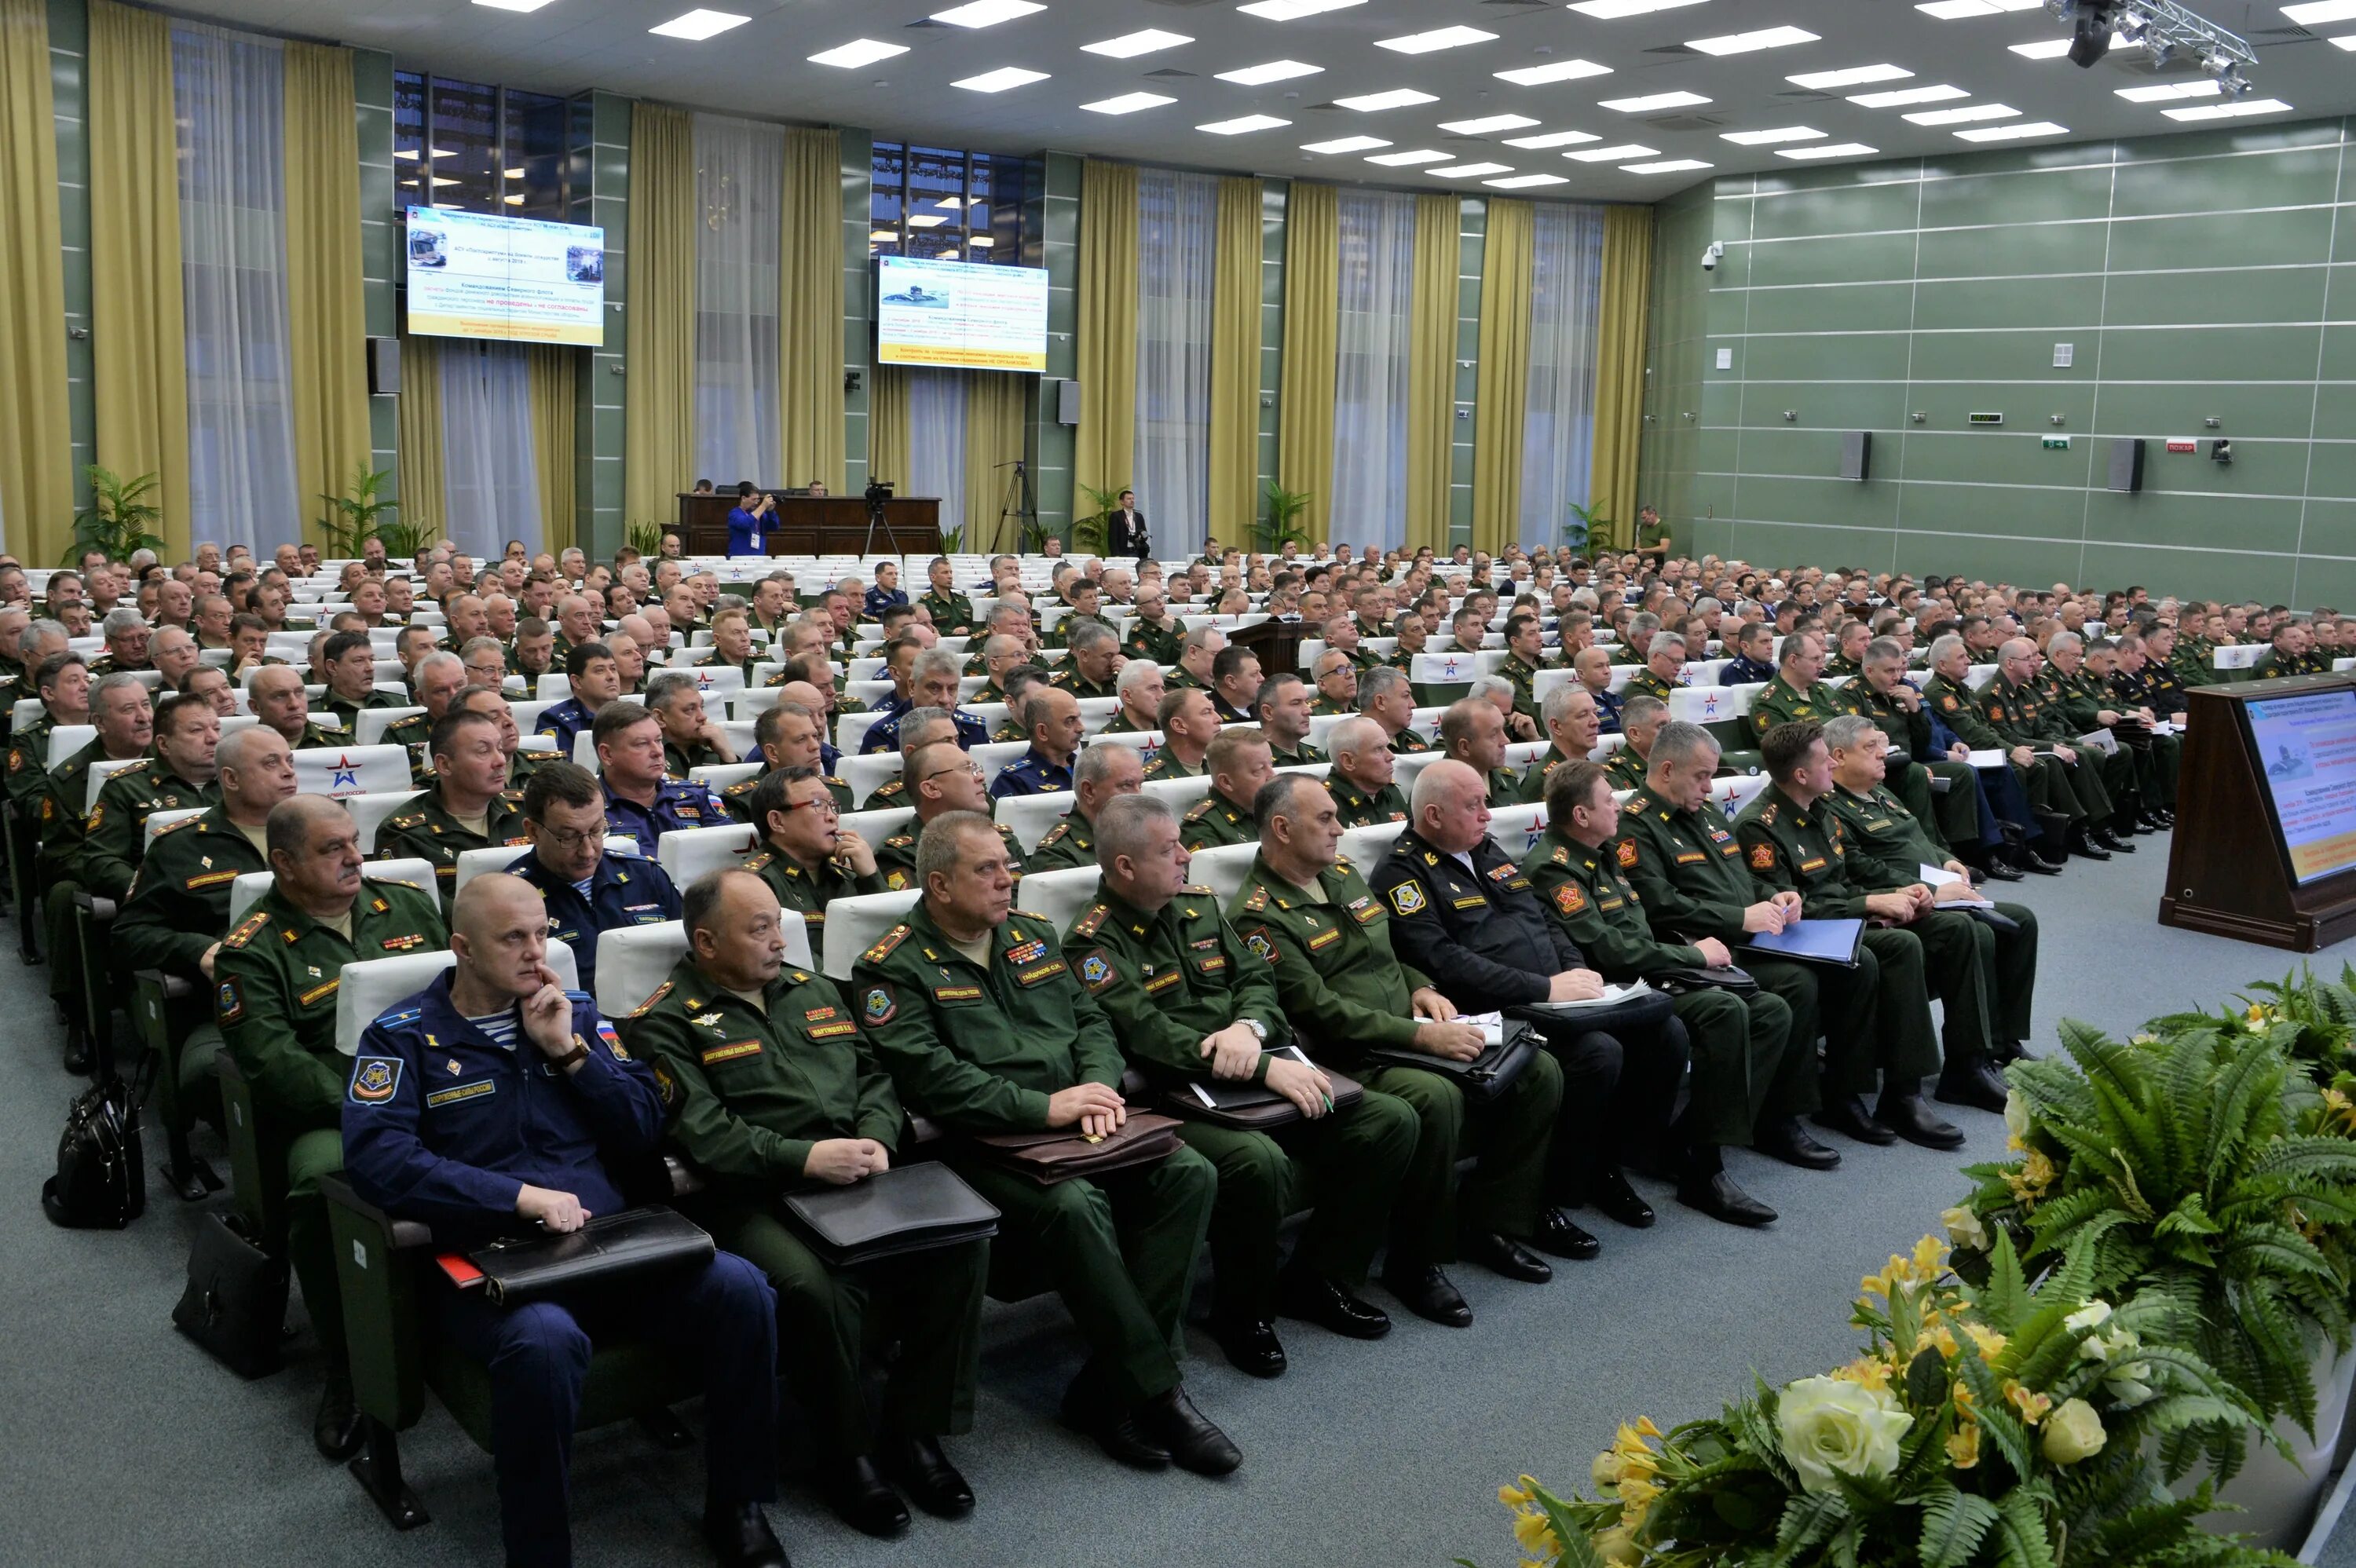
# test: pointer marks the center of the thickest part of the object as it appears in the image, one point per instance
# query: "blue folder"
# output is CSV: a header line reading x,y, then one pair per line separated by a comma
x,y
1812,942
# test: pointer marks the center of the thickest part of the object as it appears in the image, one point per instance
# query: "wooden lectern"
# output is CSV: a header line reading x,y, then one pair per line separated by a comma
x,y
816,525
2228,866
1276,643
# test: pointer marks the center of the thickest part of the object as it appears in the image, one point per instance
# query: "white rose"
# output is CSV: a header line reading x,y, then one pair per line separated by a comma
x,y
2114,1346
2126,1385
2016,1116
2073,1432
2093,1315
1829,1425
1965,1229
1605,1471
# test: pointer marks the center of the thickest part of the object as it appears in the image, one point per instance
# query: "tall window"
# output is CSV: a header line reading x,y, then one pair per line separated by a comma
x,y
481,148
956,207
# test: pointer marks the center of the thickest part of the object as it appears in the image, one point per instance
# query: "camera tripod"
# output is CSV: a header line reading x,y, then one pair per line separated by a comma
x,y
1017,502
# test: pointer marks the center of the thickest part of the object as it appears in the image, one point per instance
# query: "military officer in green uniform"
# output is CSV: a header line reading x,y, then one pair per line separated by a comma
x,y
1886,850
2016,709
1412,638
1094,664
1665,662
1749,1081
986,1029
351,661
1796,692
437,681
2140,774
1100,774
467,806
125,724
275,696
786,731
1574,727
187,732
2039,777
1473,731
1850,651
951,611
1326,938
1281,709
1156,636
1525,656
1791,843
771,1089
1337,682
1190,1005
2292,653
274,997
1363,782
1188,724
1880,692
1239,763
1344,636
62,682
1140,688
1641,719
802,852
940,778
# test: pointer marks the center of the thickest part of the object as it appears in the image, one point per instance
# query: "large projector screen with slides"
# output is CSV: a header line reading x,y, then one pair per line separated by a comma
x,y
472,275
960,315
2305,748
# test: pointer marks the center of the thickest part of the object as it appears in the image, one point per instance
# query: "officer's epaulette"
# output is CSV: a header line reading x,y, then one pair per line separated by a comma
x,y
830,779
514,796
1028,915
399,1016
1342,863
175,827
412,820
1087,924
741,786
246,932
756,862
1562,855
577,997
1195,890
643,1008
1202,808
883,950
1057,834
393,882
1768,815
1258,900
899,840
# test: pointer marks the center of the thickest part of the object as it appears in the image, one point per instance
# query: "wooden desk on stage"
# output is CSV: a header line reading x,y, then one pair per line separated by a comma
x,y
816,525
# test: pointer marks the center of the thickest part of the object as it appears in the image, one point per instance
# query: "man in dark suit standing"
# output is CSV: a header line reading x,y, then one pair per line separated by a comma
x,y
1125,528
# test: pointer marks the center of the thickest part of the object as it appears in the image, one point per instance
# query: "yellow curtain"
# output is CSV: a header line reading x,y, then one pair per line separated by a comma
x,y
1508,255
327,323
809,314
1626,291
1313,305
37,493
1432,368
138,324
420,472
549,371
888,441
659,422
1235,360
995,401
1106,443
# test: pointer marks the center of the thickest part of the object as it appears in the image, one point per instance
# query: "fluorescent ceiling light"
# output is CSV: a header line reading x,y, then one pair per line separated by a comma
x,y
1770,138
1470,171
1404,160
926,220
515,200
1896,96
1829,150
982,243
1293,10
1744,42
1612,10
1553,138
1274,71
512,5
2229,110
513,174
2014,133
1396,98
2163,91
1968,113
698,25
1346,144
1668,166
1523,182
856,53
1242,123
1437,38
1128,103
2348,43
1651,101
440,180
1482,127
405,153
882,236
986,13
1625,151
1561,70
1001,79
1129,45
2054,49
2321,11
1851,76
1959,10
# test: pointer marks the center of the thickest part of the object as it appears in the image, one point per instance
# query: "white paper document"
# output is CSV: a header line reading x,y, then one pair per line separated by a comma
x,y
1990,759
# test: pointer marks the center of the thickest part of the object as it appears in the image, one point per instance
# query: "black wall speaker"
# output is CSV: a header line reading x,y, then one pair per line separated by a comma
x,y
2127,462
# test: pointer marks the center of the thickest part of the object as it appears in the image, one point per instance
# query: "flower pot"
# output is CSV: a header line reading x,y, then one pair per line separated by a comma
x,y
2278,1498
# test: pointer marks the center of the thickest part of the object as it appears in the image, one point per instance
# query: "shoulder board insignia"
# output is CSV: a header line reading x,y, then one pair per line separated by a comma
x,y
643,1008
392,882
1562,856
244,933
1198,891
1259,900
1202,808
757,861
883,949
1768,815
175,827
1028,915
400,1016
1090,922
1057,834
741,786
412,820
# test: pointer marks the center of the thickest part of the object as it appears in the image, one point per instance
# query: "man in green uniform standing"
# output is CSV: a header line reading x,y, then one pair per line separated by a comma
x,y
985,1030
771,1089
1101,774
274,997
951,611
1192,1005
1238,764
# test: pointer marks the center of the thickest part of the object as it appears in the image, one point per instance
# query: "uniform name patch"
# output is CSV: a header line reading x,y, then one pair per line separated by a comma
x,y
377,1079
1046,971
320,993
1162,983
1327,938
1692,857
1815,865
474,1091
834,1031
733,1050
1213,964
957,993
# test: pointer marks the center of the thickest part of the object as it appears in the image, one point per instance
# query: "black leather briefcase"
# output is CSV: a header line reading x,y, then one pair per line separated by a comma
x,y
908,1209
607,1248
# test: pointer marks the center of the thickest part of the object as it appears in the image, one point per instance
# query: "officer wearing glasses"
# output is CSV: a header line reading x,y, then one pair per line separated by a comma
x,y
588,891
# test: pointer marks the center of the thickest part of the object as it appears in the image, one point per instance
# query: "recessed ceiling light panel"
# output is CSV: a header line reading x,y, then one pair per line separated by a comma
x,y
1561,70
1396,98
1346,144
2014,133
1484,125
1829,150
1129,45
2229,110
1747,43
1962,10
1892,100
1523,182
1612,10
1965,115
2054,49
512,5
1850,76
698,25
1293,10
999,81
1771,138
1128,103
1553,138
1652,102
1620,153
2169,92
1408,160
1274,71
1243,124
1666,166
1471,171
857,53
986,13
1436,39
2321,11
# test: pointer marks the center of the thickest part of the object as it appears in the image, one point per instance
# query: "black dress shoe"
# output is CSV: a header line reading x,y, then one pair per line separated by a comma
x,y
2043,864
1999,871
1564,1237
1194,1443
1848,1114
1911,1119
860,1495
2111,838
1116,1431
2082,844
76,1052
1973,1083
2005,1052
1609,1192
926,1474
1330,1305
1427,1293
1783,1139
1504,1255
336,1430
1718,1196
1251,1345
741,1538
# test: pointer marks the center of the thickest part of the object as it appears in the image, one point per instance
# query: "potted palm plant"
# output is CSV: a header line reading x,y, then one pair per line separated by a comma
x,y
121,518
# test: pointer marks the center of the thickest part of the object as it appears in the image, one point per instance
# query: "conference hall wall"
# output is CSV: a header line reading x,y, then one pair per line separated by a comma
x,y
2200,276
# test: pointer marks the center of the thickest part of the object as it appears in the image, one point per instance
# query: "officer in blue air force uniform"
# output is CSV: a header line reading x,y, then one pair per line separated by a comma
x,y
641,802
491,1101
587,890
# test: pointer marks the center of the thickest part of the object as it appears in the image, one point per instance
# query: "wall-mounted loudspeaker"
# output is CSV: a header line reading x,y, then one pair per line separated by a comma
x,y
1857,454
383,367
1067,403
2127,464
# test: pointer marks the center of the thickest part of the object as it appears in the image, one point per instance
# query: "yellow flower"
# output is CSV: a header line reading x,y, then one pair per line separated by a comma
x,y
1964,1447
1991,1343
1636,1496
1644,1425
2031,1405
1536,1535
1930,1258
1514,1496
2036,1174
1964,1411
1944,1337
1866,1372
2075,1433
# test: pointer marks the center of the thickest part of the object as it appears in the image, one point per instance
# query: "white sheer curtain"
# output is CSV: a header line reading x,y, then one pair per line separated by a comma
x,y
1370,380
936,439
1558,428
228,101
740,173
1177,237
490,486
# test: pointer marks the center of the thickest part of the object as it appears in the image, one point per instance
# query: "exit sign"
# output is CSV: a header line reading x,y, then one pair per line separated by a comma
x,y
2057,443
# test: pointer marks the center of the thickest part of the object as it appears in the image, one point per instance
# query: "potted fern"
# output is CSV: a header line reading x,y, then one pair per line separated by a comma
x,y
1585,526
121,518
359,514
1282,524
